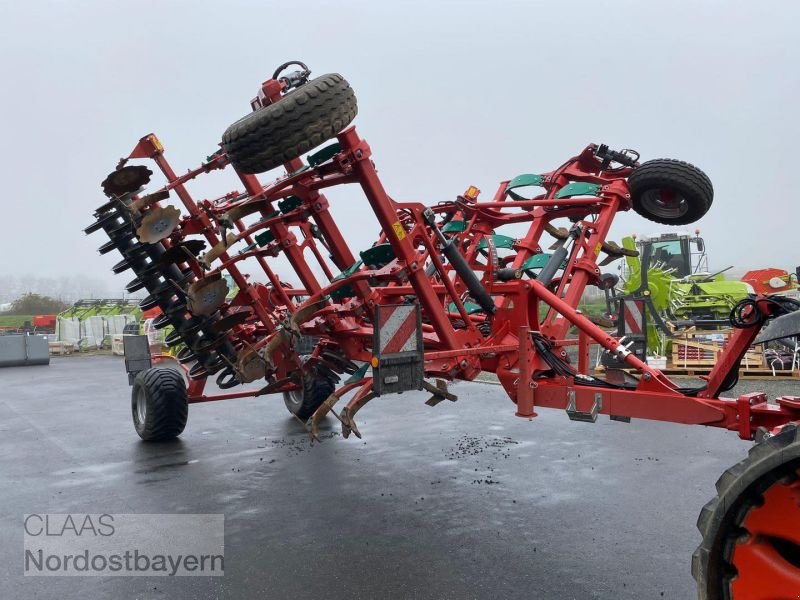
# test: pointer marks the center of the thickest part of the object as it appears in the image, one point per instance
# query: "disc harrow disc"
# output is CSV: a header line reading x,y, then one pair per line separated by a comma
x,y
102,221
206,343
207,295
186,355
251,366
161,321
126,180
115,243
173,338
198,372
230,321
158,224
143,281
182,252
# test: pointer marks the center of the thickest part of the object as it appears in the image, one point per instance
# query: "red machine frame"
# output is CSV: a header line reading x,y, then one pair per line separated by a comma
x,y
450,353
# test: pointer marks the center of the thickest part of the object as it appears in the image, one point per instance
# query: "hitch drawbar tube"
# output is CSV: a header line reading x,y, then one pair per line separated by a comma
x,y
459,263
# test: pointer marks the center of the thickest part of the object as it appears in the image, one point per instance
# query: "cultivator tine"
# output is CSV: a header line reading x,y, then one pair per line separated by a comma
x,y
158,224
145,201
439,392
126,180
243,210
614,252
279,337
347,416
219,249
601,321
319,414
304,313
560,233
206,295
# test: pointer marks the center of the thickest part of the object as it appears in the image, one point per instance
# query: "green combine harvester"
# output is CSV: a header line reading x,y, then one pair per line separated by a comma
x,y
678,288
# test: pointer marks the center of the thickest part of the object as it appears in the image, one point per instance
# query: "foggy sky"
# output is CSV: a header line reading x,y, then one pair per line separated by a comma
x,y
450,94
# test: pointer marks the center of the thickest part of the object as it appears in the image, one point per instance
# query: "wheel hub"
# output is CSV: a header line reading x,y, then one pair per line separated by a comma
x,y
765,557
665,203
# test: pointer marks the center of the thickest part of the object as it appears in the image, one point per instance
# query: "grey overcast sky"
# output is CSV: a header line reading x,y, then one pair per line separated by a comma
x,y
450,94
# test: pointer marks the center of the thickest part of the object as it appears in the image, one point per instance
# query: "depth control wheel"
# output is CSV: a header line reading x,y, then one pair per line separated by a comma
x,y
315,390
159,404
751,530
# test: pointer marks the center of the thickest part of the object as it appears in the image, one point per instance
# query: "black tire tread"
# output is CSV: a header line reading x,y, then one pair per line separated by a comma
x,y
316,390
732,485
302,120
167,403
693,183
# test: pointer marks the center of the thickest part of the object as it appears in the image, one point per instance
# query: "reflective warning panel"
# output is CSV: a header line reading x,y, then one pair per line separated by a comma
x,y
633,317
397,365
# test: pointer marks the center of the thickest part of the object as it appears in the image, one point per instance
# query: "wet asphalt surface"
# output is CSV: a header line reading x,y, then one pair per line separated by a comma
x,y
463,500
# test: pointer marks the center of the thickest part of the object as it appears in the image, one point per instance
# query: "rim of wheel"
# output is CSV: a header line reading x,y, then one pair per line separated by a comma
x,y
664,203
294,397
765,555
141,405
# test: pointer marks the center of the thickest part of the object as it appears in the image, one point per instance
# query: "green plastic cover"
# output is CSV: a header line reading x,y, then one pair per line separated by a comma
x,y
300,170
346,291
500,241
378,256
358,374
264,238
524,180
454,227
289,203
578,188
469,306
321,156
537,261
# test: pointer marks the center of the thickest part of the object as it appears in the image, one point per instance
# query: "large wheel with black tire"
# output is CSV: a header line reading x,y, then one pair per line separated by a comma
x,y
159,404
751,530
315,390
302,120
670,192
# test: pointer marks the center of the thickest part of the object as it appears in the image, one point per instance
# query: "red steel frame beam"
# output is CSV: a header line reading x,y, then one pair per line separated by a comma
x,y
655,397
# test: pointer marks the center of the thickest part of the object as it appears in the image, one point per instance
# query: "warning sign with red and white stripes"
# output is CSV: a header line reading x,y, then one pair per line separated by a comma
x,y
634,321
398,328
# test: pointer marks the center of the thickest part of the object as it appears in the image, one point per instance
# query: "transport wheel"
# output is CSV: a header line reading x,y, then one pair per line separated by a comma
x,y
670,192
303,119
751,530
159,404
303,402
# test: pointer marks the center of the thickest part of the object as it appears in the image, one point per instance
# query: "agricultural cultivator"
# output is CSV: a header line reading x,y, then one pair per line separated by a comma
x,y
441,295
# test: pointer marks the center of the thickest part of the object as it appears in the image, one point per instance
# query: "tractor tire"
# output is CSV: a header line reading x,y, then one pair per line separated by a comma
x,y
159,404
670,192
303,402
302,120
738,525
